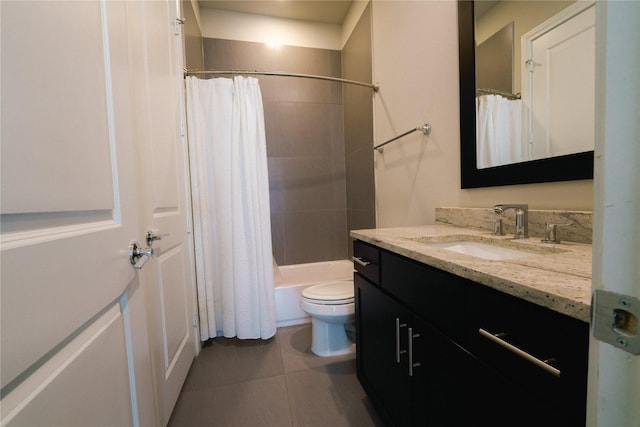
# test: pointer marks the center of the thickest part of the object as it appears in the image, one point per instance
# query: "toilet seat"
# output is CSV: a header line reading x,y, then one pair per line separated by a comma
x,y
331,293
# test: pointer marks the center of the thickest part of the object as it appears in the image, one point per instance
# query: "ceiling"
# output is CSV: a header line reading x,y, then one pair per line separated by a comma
x,y
323,11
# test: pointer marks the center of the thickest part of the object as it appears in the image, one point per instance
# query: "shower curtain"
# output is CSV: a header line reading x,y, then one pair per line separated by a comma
x,y
498,130
230,193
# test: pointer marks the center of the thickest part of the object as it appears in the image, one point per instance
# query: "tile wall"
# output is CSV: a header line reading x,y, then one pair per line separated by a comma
x,y
358,112
305,146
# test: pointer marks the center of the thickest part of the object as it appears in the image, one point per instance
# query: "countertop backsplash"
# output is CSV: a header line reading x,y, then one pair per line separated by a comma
x,y
580,230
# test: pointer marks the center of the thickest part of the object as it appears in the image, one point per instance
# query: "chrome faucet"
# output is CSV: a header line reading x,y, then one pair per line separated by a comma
x,y
522,218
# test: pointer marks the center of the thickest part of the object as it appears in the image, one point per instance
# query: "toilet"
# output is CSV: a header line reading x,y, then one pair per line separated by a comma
x,y
331,308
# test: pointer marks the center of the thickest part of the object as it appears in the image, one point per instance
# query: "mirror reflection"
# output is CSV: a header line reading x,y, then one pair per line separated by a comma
x,y
535,80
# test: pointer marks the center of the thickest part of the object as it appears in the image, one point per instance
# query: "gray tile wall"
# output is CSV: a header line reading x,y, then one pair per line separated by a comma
x,y
305,146
358,113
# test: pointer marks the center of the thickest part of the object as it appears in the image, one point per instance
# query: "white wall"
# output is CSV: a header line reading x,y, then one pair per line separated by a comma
x,y
415,60
227,25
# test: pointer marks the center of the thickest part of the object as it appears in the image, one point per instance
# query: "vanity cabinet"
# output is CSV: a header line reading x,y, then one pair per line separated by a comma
x,y
423,361
407,365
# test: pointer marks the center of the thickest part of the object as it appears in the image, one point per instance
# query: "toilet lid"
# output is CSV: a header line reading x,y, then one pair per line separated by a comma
x,y
330,293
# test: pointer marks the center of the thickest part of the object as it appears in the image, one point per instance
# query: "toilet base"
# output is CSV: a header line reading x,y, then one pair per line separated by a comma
x,y
330,339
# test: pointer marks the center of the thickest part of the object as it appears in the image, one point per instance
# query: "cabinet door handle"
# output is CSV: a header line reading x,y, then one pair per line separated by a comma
x,y
398,351
540,363
360,261
411,364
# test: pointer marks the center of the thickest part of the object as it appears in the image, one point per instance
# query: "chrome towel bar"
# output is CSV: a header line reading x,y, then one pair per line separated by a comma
x,y
425,129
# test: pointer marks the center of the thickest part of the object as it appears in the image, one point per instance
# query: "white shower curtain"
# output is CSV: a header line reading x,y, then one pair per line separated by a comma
x,y
230,186
498,130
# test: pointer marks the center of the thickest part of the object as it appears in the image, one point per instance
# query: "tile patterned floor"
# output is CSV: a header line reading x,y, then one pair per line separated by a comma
x,y
278,382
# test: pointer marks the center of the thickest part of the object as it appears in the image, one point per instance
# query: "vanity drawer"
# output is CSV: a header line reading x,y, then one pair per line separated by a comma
x,y
366,260
433,294
543,351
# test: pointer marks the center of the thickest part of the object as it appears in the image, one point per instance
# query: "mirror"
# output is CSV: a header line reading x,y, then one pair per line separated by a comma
x,y
566,155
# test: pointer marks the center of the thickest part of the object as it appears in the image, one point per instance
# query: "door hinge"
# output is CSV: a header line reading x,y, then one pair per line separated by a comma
x,y
195,320
188,225
176,25
181,127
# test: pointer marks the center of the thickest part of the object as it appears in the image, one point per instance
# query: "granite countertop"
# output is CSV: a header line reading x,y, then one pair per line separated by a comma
x,y
557,276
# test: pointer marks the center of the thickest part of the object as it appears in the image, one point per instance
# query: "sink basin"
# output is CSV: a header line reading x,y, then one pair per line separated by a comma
x,y
482,250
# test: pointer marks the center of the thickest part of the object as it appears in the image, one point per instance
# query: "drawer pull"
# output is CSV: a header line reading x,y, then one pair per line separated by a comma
x,y
496,339
411,364
398,351
360,261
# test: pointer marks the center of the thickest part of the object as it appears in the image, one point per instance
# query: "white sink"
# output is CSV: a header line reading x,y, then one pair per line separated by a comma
x,y
482,250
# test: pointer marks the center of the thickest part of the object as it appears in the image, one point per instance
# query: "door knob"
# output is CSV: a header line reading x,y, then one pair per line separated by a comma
x,y
136,254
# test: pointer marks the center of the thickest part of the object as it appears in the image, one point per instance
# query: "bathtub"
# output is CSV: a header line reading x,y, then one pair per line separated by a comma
x,y
290,280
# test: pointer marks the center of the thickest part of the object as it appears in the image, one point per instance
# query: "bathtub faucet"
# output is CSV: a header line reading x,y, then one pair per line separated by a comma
x,y
522,218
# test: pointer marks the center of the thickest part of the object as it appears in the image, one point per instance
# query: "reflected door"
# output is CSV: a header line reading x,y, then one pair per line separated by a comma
x,y
559,88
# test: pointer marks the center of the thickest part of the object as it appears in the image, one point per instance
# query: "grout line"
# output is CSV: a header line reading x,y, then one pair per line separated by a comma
x,y
284,377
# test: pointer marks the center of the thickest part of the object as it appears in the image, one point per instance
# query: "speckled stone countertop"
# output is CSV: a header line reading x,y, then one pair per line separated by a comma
x,y
558,276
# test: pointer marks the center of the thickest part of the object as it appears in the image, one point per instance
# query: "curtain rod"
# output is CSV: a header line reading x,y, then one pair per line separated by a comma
x,y
375,86
485,91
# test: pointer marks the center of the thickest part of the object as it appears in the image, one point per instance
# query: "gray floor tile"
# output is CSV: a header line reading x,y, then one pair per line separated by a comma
x,y
230,361
279,382
258,403
329,395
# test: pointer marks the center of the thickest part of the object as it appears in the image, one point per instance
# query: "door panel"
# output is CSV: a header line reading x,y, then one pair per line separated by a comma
x,y
165,208
93,364
53,62
173,305
163,107
68,206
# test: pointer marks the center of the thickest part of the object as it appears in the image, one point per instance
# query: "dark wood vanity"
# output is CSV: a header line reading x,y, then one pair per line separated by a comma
x,y
436,349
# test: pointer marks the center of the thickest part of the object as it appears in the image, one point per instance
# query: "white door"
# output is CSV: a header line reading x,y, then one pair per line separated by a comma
x,y
614,374
559,82
159,116
70,299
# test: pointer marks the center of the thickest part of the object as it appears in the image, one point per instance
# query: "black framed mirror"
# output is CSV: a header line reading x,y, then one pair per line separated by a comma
x,y
562,168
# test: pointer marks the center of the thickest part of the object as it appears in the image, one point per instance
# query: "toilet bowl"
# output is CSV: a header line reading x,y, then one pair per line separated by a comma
x,y
331,307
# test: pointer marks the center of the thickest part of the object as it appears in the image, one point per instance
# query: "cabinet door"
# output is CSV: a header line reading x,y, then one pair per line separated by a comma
x,y
383,375
562,342
497,401
440,380
437,296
